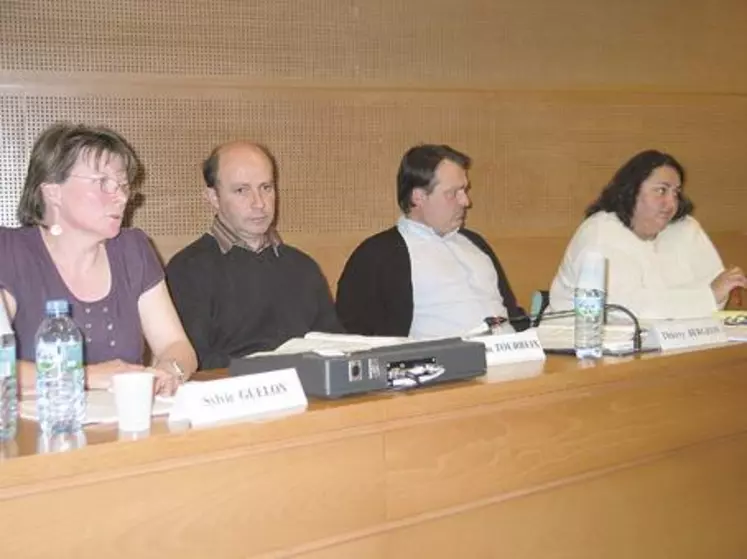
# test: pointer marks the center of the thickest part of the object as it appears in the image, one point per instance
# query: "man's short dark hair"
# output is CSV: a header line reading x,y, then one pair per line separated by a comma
x,y
418,170
210,167
621,194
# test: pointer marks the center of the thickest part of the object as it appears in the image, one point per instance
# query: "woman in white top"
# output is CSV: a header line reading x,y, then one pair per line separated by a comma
x,y
661,264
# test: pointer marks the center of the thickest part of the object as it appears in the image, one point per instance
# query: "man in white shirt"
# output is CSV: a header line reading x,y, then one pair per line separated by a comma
x,y
661,264
427,276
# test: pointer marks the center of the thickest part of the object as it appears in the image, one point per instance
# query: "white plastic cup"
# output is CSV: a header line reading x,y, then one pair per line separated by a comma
x,y
133,396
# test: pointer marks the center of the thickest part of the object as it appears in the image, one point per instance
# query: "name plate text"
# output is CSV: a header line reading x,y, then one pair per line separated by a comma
x,y
511,348
247,397
679,334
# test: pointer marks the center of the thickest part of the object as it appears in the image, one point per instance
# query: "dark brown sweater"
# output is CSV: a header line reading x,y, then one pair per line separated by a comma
x,y
242,302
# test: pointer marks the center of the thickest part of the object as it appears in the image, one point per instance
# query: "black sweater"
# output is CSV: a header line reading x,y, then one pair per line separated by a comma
x,y
242,302
374,294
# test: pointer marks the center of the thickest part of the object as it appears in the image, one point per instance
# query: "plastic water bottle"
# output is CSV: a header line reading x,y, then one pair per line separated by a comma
x,y
588,304
64,441
8,379
60,380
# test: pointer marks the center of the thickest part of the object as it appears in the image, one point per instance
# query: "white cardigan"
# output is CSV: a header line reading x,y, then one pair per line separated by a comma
x,y
668,277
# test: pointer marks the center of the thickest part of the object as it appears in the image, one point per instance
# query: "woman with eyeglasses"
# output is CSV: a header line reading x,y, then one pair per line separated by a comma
x,y
661,264
72,246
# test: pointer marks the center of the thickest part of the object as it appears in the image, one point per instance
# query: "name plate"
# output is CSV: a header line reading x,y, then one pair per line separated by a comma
x,y
679,334
248,397
511,348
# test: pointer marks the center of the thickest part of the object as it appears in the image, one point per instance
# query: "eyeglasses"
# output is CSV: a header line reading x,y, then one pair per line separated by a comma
x,y
107,184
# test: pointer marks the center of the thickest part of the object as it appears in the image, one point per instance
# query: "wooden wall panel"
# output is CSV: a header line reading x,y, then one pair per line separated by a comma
x,y
13,156
538,159
549,98
244,505
470,457
629,457
534,44
682,506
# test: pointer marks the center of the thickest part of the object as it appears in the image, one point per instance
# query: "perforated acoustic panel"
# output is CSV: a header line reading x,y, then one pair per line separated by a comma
x,y
13,156
338,89
538,160
540,44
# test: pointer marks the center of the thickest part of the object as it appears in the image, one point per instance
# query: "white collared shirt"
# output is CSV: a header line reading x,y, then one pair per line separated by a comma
x,y
454,283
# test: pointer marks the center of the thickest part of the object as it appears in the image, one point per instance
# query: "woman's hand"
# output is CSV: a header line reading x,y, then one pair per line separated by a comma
x,y
99,376
725,282
169,377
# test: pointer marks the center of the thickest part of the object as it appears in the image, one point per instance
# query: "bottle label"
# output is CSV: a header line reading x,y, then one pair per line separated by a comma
x,y
589,305
8,394
52,358
8,362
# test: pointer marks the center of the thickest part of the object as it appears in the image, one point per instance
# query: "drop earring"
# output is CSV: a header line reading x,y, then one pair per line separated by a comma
x,y
55,230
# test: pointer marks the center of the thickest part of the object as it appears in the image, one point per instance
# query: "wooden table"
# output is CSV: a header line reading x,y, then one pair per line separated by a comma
x,y
638,457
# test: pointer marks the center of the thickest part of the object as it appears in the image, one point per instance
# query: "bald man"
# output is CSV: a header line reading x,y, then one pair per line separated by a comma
x,y
239,289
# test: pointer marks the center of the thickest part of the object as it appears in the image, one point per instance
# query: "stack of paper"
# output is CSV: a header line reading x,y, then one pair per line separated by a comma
x,y
100,407
617,336
332,344
735,323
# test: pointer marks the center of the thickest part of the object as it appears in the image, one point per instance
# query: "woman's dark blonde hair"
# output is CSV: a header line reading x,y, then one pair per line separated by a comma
x,y
55,153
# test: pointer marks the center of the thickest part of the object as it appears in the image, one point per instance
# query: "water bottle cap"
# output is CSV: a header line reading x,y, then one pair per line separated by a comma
x,y
57,307
592,274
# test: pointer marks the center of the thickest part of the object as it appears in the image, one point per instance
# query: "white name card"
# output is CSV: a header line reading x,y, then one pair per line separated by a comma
x,y
511,348
679,334
248,397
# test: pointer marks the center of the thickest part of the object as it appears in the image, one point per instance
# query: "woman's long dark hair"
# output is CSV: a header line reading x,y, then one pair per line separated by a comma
x,y
620,195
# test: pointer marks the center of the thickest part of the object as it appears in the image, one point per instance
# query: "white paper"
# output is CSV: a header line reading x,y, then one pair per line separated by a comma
x,y
735,324
100,407
525,369
247,397
511,348
736,333
617,335
332,344
691,332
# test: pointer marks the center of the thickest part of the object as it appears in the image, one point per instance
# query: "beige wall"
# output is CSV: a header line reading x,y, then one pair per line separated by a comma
x,y
548,97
